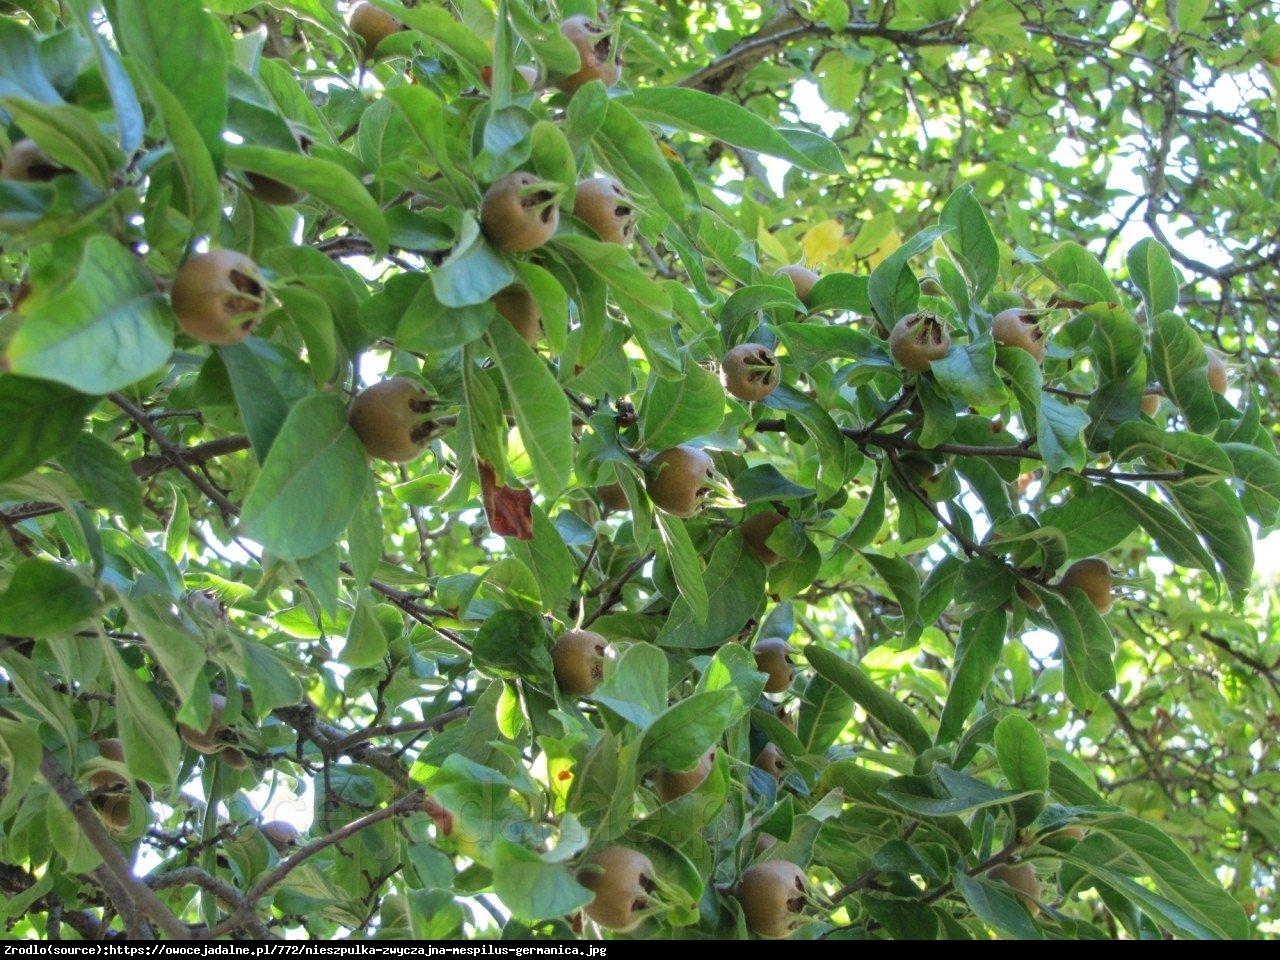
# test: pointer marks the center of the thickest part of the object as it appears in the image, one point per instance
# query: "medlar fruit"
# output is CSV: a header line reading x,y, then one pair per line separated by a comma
x,y
1093,576
1022,877
519,213
750,371
579,657
774,658
392,419
218,297
113,800
280,834
1217,372
677,480
756,530
605,207
773,895
771,761
1017,328
1150,403
372,25
518,306
613,498
672,784
527,72
206,741
595,46
802,278
622,880
918,339
27,163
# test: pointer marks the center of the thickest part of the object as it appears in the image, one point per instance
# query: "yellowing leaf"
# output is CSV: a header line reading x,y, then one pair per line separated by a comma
x,y
770,245
891,243
872,234
822,241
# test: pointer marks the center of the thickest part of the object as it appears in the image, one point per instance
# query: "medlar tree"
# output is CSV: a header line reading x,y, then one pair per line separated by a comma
x,y
366,443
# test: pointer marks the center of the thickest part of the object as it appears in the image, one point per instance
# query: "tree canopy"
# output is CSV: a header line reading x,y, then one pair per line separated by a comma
x,y
668,469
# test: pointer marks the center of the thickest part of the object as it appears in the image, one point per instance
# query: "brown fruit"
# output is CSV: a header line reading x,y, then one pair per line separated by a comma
x,y
1017,328
281,834
756,530
595,46
518,306
234,758
111,749
579,657
114,802
1071,833
802,278
1022,877
1028,596
774,658
26,162
750,371
272,191
773,895
672,784
771,761
206,741
613,498
372,26
519,213
1217,372
677,480
1093,576
622,880
918,339
605,207
528,73
1150,403
392,418
218,297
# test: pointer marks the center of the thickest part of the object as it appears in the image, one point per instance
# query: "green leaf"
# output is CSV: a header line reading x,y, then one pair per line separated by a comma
x,y
1195,455
968,372
1216,516
879,703
438,24
1152,270
151,746
971,240
635,156
825,710
684,732
1087,646
902,580
44,599
20,72
1079,274
513,643
474,272
101,329
838,459
636,686
258,399
945,793
530,887
317,459
104,476
323,180
1060,434
977,654
20,755
70,136
1092,520
540,407
1000,910
683,558
506,143
38,420
366,640
734,583
674,411
1180,363
1021,754
1173,537
893,289
721,119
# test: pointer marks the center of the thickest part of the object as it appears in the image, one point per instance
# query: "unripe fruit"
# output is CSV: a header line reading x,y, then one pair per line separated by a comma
x,y
372,26
1217,372
595,49
773,895
26,162
774,658
802,278
1016,328
672,784
280,834
622,880
206,741
1093,576
579,657
750,371
218,297
1150,403
677,480
756,530
392,419
613,498
1022,877
771,761
918,339
517,215
518,306
606,208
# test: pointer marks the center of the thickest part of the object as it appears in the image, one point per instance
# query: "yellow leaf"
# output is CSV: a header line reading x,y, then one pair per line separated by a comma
x,y
770,245
822,241
891,243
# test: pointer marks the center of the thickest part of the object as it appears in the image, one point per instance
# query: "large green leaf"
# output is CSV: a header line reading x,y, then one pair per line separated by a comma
x,y
971,240
878,702
44,599
688,729
1179,361
733,582
674,411
981,640
39,420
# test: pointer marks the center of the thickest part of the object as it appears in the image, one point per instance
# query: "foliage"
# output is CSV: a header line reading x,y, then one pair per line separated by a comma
x,y
198,558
